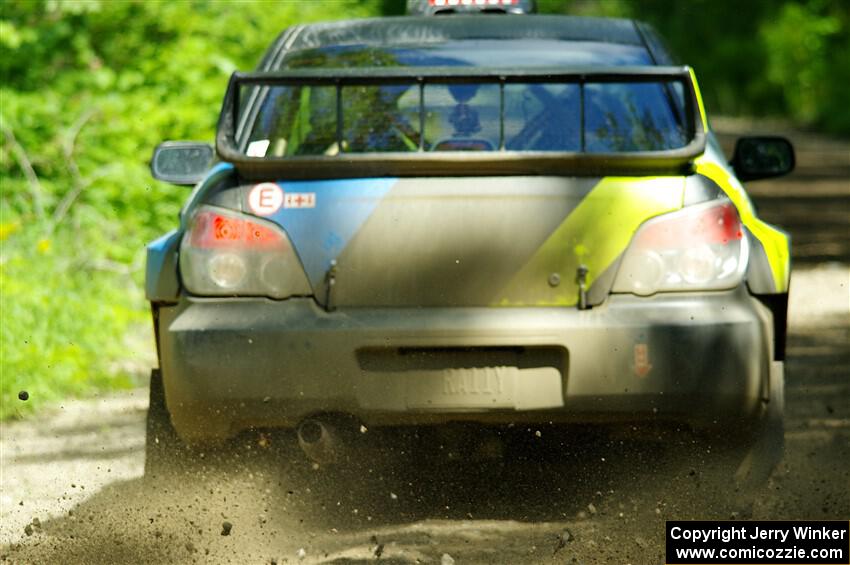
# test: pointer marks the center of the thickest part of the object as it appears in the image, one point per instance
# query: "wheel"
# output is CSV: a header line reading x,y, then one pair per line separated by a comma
x,y
737,462
163,448
767,443
167,455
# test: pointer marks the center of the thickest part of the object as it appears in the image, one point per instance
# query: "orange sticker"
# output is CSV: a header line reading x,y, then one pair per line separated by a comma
x,y
642,364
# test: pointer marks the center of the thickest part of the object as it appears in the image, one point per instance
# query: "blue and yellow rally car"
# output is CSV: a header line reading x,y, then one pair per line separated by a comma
x,y
488,218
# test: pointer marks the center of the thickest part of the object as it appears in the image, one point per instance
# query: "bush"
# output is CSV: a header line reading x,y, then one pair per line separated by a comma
x,y
761,57
88,89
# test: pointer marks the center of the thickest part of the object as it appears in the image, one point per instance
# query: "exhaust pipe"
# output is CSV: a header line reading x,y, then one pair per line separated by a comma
x,y
320,441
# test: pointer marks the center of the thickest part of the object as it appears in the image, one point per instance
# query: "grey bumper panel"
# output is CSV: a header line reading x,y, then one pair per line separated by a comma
x,y
229,364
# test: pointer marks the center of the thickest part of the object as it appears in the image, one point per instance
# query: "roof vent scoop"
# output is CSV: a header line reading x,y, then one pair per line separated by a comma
x,y
450,7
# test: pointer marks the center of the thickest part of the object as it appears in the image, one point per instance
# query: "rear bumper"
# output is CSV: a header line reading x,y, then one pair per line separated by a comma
x,y
692,358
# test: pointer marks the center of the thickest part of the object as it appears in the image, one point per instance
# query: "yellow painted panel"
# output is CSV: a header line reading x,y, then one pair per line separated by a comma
x,y
702,113
594,234
774,241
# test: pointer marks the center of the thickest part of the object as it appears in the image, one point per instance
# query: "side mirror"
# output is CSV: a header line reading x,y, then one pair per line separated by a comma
x,y
181,162
762,157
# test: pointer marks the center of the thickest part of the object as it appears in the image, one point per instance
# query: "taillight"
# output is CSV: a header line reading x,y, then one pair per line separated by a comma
x,y
700,247
214,229
225,253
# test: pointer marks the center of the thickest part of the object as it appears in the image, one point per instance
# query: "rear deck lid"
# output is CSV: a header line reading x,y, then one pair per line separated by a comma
x,y
464,241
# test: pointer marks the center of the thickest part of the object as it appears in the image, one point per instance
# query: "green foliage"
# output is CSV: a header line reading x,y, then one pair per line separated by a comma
x,y
784,58
87,89
64,321
809,50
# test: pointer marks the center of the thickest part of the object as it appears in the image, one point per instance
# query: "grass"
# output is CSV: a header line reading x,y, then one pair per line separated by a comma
x,y
64,319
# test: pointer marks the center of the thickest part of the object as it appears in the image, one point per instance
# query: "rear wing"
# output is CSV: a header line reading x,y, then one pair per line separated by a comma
x,y
246,92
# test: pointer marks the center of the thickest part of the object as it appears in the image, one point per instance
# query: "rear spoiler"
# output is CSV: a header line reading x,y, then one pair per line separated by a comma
x,y
236,113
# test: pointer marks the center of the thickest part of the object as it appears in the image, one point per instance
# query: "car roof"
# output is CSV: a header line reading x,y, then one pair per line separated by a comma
x,y
408,30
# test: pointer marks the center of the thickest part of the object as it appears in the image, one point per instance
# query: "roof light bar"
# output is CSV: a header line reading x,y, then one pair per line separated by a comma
x,y
451,3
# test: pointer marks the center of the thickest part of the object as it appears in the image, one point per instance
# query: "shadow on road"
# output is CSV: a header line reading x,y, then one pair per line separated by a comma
x,y
278,504
612,496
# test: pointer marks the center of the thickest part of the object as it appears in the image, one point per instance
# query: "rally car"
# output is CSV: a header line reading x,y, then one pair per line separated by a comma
x,y
485,218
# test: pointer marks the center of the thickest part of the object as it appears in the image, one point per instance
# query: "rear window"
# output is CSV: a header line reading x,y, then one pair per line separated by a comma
x,y
599,117
474,53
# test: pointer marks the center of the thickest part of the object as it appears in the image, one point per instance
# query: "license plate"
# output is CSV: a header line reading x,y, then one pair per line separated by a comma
x,y
476,387
484,388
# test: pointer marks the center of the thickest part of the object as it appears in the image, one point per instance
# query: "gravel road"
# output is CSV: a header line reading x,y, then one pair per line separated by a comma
x,y
72,490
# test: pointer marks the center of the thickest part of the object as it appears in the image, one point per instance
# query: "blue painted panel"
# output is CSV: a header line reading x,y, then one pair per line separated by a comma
x,y
161,282
320,234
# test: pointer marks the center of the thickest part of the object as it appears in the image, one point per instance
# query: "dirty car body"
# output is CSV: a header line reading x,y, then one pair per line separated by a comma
x,y
490,219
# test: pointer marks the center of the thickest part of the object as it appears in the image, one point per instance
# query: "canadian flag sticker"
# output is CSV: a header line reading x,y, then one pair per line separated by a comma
x,y
265,198
299,200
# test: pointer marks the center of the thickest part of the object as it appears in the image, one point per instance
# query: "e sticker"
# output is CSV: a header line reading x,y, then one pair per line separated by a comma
x,y
265,199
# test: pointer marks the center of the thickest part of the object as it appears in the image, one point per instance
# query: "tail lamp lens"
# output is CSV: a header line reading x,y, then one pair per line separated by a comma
x,y
700,247
219,229
226,270
225,253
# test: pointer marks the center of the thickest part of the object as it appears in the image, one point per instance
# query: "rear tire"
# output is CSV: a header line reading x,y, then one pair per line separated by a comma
x,y
767,444
740,460
163,448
